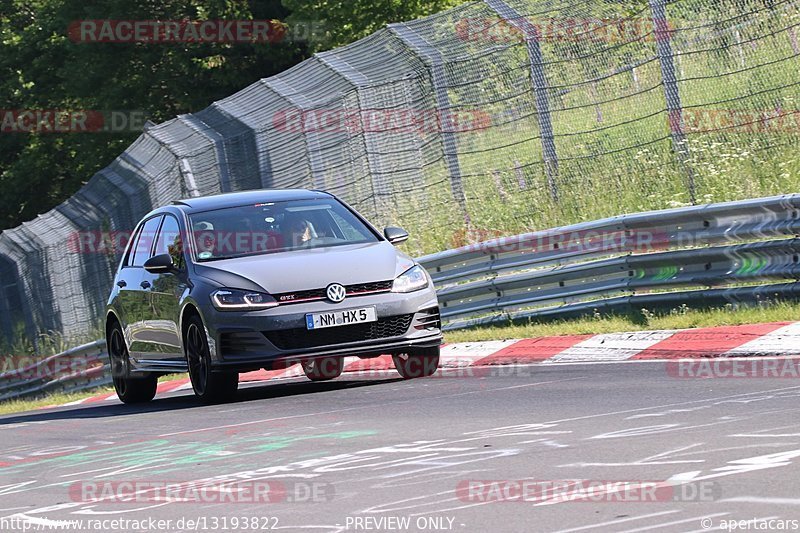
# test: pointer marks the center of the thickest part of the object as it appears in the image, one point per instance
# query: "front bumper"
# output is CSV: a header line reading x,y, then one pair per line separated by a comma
x,y
277,337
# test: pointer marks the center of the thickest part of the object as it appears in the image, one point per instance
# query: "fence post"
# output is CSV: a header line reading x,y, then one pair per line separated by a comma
x,y
672,94
313,147
6,328
188,178
380,185
194,123
433,58
540,86
24,286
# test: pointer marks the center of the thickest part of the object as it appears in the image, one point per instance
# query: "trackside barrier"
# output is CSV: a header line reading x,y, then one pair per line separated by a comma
x,y
727,253
666,257
79,368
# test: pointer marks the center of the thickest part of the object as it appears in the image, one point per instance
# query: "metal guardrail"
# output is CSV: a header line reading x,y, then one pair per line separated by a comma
x,y
645,260
77,369
673,257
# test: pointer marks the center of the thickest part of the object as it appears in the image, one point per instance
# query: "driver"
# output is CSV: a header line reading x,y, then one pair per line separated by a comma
x,y
300,232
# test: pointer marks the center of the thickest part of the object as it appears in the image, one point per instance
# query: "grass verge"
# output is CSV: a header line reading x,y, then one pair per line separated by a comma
x,y
682,318
29,404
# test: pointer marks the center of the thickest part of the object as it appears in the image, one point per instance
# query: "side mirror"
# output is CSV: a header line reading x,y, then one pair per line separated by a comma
x,y
159,264
395,235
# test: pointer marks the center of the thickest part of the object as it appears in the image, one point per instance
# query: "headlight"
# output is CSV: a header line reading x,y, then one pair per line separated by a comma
x,y
411,280
231,299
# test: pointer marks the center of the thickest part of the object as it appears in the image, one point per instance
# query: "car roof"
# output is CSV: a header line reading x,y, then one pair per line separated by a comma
x,y
236,199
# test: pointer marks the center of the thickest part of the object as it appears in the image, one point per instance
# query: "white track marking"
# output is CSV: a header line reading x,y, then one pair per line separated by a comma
x,y
759,499
772,435
614,522
611,347
465,354
785,340
706,400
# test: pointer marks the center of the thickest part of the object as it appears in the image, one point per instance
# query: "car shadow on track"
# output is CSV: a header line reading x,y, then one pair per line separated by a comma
x,y
247,392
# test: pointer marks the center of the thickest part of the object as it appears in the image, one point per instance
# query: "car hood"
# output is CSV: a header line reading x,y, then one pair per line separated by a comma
x,y
311,269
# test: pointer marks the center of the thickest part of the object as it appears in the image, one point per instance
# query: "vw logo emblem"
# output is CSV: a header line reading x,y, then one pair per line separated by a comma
x,y
336,293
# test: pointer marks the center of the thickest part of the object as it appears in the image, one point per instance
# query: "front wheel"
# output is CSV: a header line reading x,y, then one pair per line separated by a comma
x,y
323,369
418,364
129,389
208,386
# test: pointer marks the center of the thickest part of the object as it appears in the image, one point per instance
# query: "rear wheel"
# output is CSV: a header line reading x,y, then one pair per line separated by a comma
x,y
129,389
323,369
208,386
418,364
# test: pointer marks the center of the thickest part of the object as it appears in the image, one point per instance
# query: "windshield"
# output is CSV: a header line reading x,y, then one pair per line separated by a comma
x,y
275,227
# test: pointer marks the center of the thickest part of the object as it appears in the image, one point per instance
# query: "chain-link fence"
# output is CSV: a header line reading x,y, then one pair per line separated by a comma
x,y
493,118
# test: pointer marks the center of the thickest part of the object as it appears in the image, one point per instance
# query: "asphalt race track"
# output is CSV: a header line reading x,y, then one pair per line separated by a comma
x,y
616,447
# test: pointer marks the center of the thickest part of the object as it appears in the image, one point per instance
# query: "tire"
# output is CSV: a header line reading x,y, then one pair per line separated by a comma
x,y
323,369
208,386
129,389
418,364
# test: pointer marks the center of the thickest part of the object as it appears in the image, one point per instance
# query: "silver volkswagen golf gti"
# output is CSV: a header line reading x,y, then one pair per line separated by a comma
x,y
266,279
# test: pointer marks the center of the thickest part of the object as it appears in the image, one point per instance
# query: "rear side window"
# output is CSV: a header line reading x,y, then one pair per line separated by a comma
x,y
144,242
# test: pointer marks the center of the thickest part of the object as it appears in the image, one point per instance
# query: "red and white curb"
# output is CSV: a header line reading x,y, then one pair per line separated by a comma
x,y
775,339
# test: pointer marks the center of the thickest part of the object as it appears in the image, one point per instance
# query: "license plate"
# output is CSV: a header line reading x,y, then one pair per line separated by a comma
x,y
341,318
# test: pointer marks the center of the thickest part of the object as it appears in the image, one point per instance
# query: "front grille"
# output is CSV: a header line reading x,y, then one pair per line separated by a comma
x,y
301,338
319,294
376,286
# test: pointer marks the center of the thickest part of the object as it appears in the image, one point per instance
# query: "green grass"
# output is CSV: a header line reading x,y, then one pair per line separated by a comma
x,y
683,318
18,406
612,135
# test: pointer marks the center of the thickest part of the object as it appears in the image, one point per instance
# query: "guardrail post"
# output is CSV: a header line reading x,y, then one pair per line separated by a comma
x,y
540,87
672,94
433,58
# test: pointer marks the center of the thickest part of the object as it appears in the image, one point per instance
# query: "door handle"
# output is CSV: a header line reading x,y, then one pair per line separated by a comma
x,y
145,284
121,283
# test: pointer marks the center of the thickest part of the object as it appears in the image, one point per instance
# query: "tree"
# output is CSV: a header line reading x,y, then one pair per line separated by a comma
x,y
42,69
341,22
